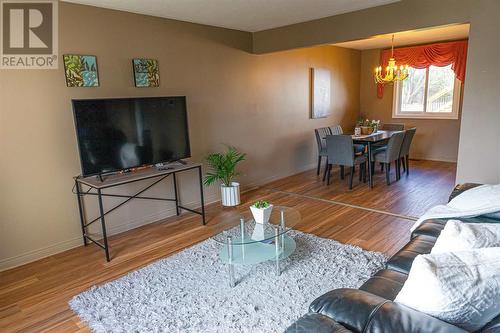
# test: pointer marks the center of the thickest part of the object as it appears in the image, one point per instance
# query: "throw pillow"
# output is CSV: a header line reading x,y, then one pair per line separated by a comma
x,y
459,236
461,288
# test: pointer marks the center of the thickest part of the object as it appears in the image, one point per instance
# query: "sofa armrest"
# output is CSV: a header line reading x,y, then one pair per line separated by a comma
x,y
316,323
460,188
394,317
360,311
350,307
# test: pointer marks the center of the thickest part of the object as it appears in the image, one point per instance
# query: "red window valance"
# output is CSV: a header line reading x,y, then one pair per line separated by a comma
x,y
423,56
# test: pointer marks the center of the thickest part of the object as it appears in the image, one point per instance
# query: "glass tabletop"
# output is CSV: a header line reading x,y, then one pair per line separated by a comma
x,y
242,229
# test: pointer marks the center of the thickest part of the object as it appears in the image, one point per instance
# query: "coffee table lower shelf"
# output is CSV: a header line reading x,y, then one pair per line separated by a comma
x,y
279,248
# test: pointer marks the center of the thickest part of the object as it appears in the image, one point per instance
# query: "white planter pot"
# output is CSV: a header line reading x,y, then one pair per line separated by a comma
x,y
230,195
261,215
258,233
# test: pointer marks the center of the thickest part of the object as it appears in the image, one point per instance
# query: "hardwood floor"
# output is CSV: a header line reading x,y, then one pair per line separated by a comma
x,y
428,184
33,297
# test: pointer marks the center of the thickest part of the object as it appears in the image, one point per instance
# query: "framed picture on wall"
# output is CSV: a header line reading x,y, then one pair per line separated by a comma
x,y
320,92
146,72
81,70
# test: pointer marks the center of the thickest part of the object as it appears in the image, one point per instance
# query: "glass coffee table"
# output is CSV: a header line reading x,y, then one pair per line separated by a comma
x,y
246,242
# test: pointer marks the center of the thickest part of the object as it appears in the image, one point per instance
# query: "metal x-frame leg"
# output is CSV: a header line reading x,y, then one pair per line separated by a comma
x,y
104,245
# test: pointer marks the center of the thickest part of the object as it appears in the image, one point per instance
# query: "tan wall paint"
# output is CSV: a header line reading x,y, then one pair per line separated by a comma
x,y
479,147
260,104
479,150
436,139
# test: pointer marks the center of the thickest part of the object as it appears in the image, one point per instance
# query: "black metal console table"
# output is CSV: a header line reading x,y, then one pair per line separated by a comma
x,y
96,187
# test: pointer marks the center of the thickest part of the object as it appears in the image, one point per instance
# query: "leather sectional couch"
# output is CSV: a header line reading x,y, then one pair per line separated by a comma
x,y
371,308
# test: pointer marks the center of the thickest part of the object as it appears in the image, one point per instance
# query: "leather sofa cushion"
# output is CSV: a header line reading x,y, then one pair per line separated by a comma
x,y
432,228
361,311
317,323
402,260
462,188
394,317
385,283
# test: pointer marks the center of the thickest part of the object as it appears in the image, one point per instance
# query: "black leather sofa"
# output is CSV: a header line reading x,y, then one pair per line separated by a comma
x,y
371,308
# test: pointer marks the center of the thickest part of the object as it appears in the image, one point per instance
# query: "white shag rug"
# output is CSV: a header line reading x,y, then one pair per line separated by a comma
x,y
189,291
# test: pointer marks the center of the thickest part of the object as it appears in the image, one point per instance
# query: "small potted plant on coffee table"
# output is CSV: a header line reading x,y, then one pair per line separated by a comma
x,y
222,167
261,211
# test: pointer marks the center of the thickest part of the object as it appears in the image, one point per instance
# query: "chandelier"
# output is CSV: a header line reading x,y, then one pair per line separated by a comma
x,y
392,71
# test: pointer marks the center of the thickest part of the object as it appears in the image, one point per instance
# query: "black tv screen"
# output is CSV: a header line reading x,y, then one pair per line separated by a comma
x,y
122,133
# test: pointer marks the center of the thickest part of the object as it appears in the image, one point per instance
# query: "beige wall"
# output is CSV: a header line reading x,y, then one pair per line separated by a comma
x,y
479,151
436,139
479,146
260,104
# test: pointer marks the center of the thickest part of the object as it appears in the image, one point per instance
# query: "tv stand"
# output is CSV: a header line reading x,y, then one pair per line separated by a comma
x,y
97,185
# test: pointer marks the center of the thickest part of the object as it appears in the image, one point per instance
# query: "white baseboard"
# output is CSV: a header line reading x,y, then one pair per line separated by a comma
x,y
47,251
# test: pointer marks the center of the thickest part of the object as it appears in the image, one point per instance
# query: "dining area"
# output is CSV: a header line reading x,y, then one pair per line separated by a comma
x,y
386,146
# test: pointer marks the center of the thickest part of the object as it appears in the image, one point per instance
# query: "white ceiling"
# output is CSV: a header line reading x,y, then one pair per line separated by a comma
x,y
245,15
413,37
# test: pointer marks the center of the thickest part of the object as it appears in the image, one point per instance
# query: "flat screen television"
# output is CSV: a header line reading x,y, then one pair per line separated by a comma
x,y
122,133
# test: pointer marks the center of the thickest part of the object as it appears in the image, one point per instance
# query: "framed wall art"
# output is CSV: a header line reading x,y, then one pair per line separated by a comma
x,y
81,70
320,93
146,72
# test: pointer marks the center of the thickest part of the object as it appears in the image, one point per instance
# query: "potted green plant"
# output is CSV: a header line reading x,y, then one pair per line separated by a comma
x,y
261,211
222,167
368,126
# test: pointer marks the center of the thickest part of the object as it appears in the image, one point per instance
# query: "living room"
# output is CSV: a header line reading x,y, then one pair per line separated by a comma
x,y
243,71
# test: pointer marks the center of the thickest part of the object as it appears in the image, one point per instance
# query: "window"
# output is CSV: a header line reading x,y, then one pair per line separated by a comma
x,y
431,92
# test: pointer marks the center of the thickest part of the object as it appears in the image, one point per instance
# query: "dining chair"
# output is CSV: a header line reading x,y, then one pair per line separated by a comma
x,y
404,155
388,154
337,130
321,134
393,127
340,151
359,149
388,127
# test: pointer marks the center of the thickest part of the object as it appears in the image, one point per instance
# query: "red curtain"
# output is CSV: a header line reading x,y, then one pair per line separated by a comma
x,y
423,56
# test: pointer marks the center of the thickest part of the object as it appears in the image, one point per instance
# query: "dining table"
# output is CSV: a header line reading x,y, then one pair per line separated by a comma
x,y
368,140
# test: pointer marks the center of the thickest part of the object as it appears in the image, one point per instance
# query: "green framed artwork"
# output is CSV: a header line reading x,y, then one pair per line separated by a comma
x,y
146,72
81,70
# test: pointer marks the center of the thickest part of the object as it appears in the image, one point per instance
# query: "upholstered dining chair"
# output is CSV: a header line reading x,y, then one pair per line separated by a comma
x,y
337,130
388,127
321,134
404,155
393,127
388,154
358,148
340,151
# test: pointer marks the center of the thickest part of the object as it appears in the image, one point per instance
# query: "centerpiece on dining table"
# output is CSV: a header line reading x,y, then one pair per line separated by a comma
x,y
367,126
